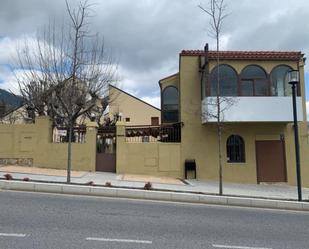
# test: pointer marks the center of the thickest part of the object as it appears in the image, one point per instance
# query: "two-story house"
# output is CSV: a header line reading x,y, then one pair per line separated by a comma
x,y
257,140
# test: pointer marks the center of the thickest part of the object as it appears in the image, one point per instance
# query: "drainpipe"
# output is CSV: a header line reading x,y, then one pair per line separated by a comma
x,y
204,69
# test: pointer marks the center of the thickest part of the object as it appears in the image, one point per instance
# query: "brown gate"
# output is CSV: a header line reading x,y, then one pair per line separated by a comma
x,y
106,149
270,161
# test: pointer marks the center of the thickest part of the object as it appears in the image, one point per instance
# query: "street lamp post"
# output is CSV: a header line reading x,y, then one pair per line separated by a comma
x,y
293,79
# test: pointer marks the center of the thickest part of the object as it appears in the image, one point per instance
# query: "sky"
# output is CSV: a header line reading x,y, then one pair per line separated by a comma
x,y
145,37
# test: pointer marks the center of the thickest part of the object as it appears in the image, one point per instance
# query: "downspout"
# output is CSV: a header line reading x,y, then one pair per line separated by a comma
x,y
204,69
206,51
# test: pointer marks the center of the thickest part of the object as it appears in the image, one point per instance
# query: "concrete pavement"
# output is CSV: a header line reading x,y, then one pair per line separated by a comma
x,y
277,196
271,191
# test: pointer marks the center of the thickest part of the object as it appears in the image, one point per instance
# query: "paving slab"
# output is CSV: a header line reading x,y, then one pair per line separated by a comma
x,y
152,179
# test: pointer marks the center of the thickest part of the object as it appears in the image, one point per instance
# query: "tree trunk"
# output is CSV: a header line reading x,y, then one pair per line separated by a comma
x,y
69,153
220,158
216,12
219,127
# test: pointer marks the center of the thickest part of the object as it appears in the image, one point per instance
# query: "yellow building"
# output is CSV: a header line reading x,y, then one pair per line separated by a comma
x,y
133,111
256,117
256,113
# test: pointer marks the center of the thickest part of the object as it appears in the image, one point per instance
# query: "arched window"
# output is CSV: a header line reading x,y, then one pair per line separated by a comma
x,y
279,84
227,80
170,104
253,81
235,149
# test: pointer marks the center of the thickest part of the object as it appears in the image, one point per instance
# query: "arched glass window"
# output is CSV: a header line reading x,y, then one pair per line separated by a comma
x,y
279,84
235,149
228,81
253,81
170,107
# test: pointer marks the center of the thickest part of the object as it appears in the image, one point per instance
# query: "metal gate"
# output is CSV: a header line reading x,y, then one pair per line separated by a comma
x,y
106,149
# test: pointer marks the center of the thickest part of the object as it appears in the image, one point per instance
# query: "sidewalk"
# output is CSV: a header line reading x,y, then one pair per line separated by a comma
x,y
269,191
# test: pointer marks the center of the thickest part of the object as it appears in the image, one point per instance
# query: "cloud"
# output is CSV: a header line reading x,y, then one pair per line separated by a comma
x,y
155,101
144,82
11,47
8,48
255,27
8,80
147,36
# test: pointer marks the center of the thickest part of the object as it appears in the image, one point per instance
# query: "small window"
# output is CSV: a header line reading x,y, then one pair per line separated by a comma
x,y
155,121
235,149
127,119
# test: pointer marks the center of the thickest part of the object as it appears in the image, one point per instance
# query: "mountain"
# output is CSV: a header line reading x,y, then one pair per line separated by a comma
x,y
9,101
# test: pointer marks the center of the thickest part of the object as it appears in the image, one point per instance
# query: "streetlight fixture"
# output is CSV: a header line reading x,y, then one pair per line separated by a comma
x,y
293,80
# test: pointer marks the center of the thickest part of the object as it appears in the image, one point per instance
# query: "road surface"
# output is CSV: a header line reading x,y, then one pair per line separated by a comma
x,y
34,220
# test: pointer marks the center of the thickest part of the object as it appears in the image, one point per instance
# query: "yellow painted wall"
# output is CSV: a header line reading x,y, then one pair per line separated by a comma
x,y
199,141
138,111
160,159
172,80
34,141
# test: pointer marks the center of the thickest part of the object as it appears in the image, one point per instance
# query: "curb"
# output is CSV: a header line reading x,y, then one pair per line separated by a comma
x,y
152,195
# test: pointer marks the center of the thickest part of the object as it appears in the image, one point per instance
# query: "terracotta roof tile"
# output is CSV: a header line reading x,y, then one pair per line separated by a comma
x,y
247,55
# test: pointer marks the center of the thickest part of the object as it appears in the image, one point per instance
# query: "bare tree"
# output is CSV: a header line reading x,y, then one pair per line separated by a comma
x,y
216,10
67,73
98,113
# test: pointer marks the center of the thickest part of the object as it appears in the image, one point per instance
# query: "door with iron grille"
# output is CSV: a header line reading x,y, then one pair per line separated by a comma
x,y
106,149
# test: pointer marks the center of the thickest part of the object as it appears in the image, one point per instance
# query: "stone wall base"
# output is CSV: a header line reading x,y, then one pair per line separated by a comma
x,y
17,161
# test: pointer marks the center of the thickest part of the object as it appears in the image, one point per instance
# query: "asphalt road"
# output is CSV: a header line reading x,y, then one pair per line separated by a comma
x,y
33,220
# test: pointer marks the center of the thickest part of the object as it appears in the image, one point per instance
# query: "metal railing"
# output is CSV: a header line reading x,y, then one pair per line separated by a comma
x,y
107,131
146,133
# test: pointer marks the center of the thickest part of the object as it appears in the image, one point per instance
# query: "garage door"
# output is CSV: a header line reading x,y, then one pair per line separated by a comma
x,y
270,160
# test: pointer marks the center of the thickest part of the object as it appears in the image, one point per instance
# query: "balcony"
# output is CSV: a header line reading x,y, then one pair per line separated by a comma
x,y
252,109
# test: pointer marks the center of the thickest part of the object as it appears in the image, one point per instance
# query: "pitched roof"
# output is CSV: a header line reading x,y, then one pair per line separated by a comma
x,y
134,97
170,76
247,55
12,110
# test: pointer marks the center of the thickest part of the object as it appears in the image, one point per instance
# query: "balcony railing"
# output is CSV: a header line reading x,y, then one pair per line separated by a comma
x,y
146,133
252,109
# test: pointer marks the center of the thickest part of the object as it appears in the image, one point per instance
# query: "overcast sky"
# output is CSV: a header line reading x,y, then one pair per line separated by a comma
x,y
146,36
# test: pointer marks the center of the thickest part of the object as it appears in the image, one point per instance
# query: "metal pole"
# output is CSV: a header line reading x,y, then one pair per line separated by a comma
x,y
296,142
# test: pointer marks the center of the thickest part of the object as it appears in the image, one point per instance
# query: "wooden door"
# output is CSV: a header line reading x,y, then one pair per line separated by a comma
x,y
270,160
